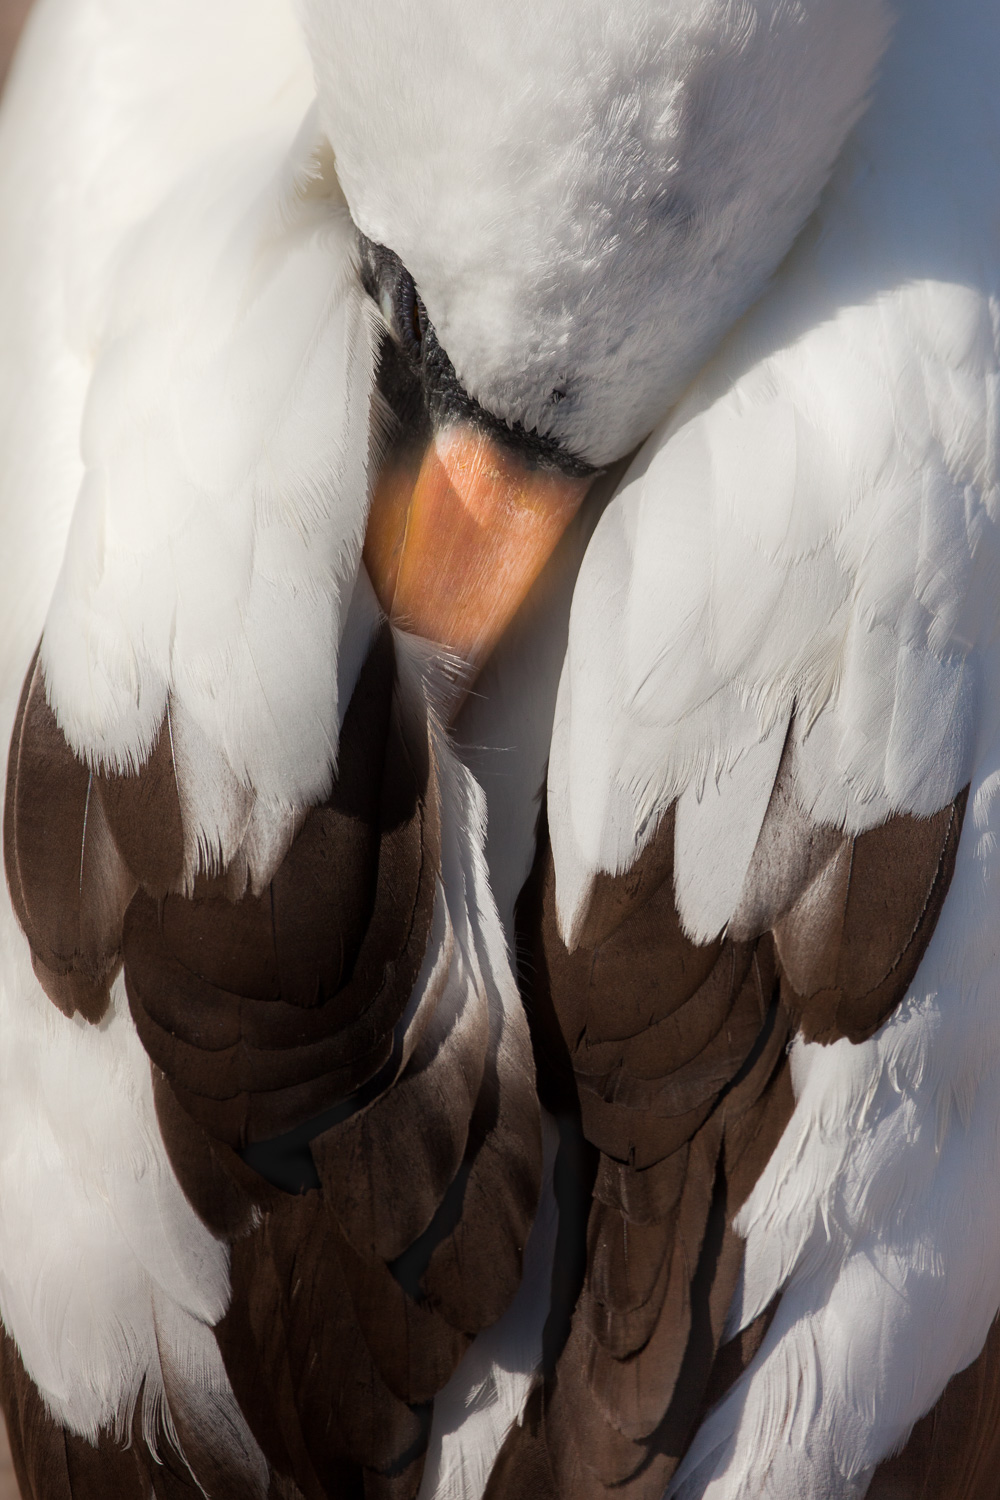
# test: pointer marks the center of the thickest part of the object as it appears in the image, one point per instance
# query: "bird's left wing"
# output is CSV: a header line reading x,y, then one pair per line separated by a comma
x,y
769,717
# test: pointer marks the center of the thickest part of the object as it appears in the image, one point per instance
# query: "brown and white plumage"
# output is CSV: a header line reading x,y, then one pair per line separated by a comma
x,y
377,1116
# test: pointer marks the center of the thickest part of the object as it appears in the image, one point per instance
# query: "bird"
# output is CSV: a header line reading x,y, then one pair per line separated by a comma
x,y
498,962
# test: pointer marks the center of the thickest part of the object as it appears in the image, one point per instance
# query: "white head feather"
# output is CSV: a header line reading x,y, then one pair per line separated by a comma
x,y
588,192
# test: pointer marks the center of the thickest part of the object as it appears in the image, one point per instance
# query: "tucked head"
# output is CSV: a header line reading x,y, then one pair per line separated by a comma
x,y
587,192
571,200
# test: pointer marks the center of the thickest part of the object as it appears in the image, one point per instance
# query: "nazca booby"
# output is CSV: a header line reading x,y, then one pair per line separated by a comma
x,y
304,328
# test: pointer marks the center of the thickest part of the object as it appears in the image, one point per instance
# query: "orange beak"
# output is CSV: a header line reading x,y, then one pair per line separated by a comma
x,y
457,536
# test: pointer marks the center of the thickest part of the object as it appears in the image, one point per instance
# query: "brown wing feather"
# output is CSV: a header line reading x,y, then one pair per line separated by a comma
x,y
273,1021
472,1273
676,1053
850,946
407,1135
144,816
298,1023
69,884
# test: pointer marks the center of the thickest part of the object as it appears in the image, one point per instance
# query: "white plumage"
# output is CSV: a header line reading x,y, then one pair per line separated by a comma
x,y
806,549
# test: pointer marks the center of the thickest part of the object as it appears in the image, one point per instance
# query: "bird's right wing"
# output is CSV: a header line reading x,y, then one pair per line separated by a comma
x,y
266,1065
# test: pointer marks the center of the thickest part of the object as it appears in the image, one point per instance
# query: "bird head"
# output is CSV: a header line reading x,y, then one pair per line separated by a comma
x,y
562,205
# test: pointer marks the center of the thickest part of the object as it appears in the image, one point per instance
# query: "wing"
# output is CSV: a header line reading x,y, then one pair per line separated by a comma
x,y
775,710
106,1268
236,838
